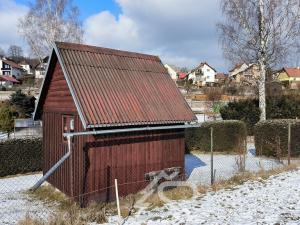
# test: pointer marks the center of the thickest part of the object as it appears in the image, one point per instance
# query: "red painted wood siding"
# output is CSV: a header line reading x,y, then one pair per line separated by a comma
x,y
97,161
128,157
58,96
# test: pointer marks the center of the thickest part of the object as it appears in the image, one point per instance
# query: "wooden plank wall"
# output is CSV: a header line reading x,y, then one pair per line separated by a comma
x,y
128,157
98,160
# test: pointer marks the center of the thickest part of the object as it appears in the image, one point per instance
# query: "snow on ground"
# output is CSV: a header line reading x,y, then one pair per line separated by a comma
x,y
272,201
15,203
198,166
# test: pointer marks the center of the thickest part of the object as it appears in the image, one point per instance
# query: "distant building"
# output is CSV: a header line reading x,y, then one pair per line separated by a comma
x,y
10,68
246,74
203,75
173,71
27,67
40,68
7,82
220,79
290,77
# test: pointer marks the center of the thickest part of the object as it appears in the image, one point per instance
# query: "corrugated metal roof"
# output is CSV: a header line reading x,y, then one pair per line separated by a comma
x,y
116,88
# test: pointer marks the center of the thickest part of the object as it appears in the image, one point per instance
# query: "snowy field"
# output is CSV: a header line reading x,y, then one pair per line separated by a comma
x,y
14,202
198,166
272,201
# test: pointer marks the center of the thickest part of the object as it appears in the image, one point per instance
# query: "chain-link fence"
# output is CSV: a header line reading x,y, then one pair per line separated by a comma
x,y
20,169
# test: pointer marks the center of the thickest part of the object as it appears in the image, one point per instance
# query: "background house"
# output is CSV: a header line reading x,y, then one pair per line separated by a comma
x,y
203,75
220,79
10,68
290,77
245,74
40,68
173,71
27,67
89,88
7,82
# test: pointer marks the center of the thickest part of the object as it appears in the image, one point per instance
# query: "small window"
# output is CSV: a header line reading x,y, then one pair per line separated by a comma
x,y
68,125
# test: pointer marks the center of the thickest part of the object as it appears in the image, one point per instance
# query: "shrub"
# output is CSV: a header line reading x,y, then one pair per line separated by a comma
x,y
228,136
244,110
271,137
7,116
19,156
24,103
278,107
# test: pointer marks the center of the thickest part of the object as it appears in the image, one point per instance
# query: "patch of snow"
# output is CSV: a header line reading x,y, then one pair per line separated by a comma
x,y
225,167
15,203
271,201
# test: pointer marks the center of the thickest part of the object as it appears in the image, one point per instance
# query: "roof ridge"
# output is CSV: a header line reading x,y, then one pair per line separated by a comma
x,y
105,51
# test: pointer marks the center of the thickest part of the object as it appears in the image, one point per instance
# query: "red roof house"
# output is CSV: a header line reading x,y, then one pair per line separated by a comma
x,y
128,96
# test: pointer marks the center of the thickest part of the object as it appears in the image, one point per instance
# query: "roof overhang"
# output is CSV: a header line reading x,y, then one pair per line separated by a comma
x,y
55,52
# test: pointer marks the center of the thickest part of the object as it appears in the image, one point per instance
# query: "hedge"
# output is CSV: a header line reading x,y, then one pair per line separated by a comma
x,y
227,135
278,107
271,137
18,156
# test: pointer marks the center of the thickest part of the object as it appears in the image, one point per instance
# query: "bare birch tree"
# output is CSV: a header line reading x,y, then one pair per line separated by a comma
x,y
49,21
265,32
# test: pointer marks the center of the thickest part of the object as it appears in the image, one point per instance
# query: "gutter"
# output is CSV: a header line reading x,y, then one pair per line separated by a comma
x,y
128,130
69,136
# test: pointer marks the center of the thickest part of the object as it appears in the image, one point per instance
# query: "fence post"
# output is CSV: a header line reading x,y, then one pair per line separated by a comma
x,y
289,144
117,198
211,156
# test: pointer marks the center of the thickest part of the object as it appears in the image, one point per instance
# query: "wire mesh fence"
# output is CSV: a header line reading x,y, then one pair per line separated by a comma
x,y
199,168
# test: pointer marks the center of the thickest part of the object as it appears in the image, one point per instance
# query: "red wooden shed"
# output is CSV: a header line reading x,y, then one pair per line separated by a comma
x,y
126,112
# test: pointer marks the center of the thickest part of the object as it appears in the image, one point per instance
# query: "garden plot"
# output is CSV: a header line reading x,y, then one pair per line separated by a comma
x,y
272,201
15,203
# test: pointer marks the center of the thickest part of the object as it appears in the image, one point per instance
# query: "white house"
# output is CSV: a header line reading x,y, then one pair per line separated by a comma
x,y
10,68
238,68
173,71
26,67
203,75
40,68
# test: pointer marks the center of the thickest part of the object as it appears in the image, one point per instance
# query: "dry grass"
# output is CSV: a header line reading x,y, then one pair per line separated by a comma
x,y
179,193
182,193
72,214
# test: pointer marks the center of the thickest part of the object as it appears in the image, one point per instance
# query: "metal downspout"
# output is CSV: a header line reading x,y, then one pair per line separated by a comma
x,y
55,167
98,132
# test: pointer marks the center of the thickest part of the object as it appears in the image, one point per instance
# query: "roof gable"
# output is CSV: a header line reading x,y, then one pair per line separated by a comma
x,y
118,88
292,72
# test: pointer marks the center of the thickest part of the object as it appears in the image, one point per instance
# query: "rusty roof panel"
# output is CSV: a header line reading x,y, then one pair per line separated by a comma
x,y
116,88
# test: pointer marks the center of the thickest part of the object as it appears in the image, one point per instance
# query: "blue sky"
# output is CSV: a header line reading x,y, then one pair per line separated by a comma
x,y
181,32
89,7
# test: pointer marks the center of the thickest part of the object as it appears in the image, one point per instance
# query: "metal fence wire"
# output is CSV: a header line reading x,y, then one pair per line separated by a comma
x,y
17,202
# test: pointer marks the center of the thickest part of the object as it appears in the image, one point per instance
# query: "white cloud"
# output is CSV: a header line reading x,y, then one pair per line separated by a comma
x,y
104,28
182,32
10,13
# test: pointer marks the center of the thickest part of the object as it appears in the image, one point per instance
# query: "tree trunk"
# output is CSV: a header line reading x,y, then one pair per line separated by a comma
x,y
262,62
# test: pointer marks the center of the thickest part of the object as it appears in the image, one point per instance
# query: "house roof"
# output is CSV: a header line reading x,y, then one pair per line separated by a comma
x,y
182,75
202,64
12,64
292,72
10,79
237,66
221,76
119,88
